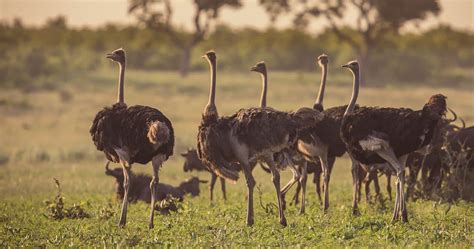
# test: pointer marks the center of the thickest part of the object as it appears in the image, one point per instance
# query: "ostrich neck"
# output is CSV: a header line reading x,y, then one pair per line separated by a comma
x,y
263,98
355,93
211,105
322,87
120,98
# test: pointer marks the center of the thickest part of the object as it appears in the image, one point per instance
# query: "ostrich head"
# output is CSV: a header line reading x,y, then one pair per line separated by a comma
x,y
259,68
323,60
210,56
436,106
353,66
117,55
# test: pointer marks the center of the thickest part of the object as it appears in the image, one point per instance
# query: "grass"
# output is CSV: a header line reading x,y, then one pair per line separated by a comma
x,y
44,135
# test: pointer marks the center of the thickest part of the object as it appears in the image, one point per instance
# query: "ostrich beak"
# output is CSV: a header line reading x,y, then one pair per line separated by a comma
x,y
204,56
253,69
110,56
345,65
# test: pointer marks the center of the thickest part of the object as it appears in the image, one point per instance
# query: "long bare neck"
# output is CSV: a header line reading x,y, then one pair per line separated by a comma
x,y
211,104
263,98
355,93
322,86
120,98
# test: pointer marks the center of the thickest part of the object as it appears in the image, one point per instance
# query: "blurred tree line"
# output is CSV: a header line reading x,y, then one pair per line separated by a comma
x,y
55,52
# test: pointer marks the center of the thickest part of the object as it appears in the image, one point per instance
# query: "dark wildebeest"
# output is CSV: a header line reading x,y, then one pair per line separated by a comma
x,y
140,190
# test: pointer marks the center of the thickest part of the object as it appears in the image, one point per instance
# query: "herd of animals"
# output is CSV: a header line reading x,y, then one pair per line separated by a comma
x,y
377,140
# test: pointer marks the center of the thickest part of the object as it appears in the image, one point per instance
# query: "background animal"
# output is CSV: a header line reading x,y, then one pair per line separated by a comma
x,y
140,187
135,134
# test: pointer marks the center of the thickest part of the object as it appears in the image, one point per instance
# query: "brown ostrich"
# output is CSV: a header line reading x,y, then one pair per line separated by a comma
x,y
289,158
250,134
321,142
135,134
375,135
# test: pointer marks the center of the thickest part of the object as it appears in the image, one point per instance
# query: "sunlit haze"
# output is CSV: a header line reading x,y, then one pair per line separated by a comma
x,y
458,13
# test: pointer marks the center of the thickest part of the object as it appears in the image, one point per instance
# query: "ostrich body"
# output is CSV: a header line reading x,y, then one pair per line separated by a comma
x,y
386,135
248,135
135,134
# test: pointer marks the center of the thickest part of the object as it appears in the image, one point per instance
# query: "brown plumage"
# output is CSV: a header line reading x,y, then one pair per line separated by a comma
x,y
378,135
135,134
250,134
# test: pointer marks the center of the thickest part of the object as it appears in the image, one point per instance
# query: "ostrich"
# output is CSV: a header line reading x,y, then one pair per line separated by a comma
x,y
135,134
386,135
296,162
322,142
249,134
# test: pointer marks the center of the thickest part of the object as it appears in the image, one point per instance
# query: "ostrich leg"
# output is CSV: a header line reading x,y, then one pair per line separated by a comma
x,y
302,182
250,185
126,186
389,186
156,162
295,199
317,182
223,188
211,186
355,185
325,167
388,155
276,182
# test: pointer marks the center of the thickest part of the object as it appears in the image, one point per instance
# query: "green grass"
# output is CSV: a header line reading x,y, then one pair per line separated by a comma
x,y
44,134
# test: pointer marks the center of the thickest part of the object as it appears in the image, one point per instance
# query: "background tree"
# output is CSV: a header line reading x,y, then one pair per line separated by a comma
x,y
157,15
374,19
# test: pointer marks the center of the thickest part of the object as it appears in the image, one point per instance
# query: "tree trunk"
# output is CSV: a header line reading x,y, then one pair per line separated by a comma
x,y
185,61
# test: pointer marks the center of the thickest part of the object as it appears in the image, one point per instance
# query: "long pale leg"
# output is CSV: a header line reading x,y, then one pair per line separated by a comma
x,y
388,155
302,182
355,185
211,186
403,160
276,183
325,167
295,200
250,185
126,187
296,177
317,182
223,189
156,162
376,185
368,179
389,185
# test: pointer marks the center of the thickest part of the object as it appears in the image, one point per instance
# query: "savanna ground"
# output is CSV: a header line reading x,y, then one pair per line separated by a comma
x,y
44,135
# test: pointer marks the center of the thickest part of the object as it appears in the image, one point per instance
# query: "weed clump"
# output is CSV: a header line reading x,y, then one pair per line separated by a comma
x,y
106,212
169,203
56,209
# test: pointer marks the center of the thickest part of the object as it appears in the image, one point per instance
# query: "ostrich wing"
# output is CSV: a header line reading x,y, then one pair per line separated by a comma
x,y
213,148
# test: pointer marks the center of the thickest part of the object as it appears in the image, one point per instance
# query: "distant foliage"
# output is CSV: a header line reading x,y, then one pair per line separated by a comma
x,y
44,56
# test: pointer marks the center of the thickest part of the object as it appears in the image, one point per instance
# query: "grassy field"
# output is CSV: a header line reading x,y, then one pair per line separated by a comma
x,y
44,134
